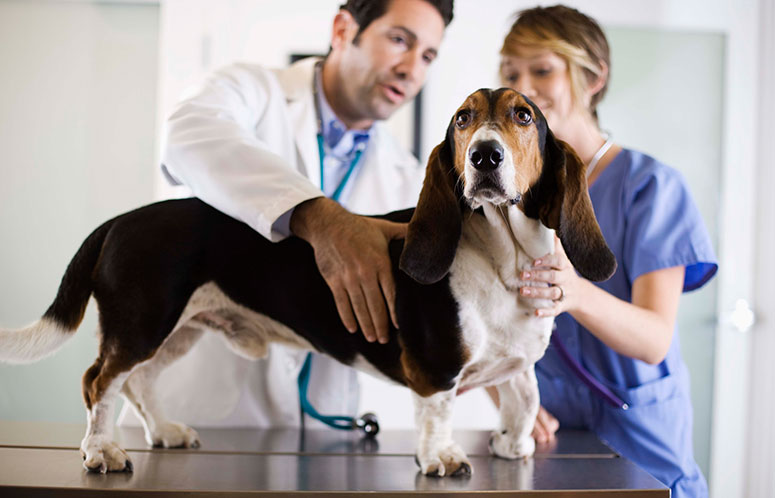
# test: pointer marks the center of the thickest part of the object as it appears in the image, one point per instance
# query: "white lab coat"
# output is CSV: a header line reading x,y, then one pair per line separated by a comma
x,y
245,143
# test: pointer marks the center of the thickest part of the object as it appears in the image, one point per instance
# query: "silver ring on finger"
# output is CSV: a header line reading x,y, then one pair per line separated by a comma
x,y
562,294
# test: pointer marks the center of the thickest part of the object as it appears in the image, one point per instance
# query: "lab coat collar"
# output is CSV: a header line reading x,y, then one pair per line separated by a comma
x,y
298,78
296,81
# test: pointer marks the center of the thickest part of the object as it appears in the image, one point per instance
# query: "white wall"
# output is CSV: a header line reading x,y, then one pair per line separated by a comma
x,y
760,459
77,118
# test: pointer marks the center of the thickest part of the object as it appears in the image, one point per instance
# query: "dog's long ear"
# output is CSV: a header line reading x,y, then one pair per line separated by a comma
x,y
434,230
561,201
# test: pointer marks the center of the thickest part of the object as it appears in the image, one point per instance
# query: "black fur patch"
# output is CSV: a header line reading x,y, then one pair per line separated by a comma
x,y
154,258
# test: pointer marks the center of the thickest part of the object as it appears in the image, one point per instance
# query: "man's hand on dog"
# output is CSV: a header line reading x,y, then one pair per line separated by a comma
x,y
351,252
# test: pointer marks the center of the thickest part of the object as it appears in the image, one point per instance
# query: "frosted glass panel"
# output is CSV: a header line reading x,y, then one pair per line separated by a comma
x,y
666,99
77,108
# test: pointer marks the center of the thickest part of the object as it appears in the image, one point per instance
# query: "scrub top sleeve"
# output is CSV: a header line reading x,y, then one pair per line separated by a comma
x,y
665,228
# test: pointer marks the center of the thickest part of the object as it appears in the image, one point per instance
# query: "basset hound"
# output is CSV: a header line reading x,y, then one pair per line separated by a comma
x,y
496,190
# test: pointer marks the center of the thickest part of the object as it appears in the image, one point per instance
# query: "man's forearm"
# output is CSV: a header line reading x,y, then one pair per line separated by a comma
x,y
311,215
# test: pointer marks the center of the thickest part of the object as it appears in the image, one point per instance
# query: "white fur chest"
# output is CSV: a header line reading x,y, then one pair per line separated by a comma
x,y
500,329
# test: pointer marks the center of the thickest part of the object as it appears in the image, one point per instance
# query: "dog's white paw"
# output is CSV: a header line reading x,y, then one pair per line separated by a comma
x,y
174,435
102,455
506,445
446,461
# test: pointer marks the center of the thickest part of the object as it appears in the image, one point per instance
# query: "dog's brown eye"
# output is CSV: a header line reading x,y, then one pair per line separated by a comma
x,y
463,119
522,116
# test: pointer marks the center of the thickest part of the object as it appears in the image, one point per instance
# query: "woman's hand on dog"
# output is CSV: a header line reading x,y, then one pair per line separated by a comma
x,y
564,286
351,253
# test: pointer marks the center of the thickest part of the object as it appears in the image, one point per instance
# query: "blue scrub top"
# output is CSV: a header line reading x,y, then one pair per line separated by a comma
x,y
650,222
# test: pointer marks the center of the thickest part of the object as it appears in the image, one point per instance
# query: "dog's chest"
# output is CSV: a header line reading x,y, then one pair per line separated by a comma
x,y
499,328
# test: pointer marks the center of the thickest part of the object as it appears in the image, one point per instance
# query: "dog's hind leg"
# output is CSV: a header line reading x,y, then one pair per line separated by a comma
x,y
139,391
101,383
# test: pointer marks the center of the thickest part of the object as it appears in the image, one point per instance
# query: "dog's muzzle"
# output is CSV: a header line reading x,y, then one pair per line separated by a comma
x,y
486,156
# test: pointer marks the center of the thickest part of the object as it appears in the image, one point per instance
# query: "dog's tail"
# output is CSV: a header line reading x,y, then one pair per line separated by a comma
x,y
61,320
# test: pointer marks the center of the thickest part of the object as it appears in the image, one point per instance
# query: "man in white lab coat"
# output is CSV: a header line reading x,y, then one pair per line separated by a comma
x,y
283,151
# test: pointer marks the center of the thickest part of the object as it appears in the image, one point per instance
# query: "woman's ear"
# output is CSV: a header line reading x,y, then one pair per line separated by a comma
x,y
598,84
434,230
560,199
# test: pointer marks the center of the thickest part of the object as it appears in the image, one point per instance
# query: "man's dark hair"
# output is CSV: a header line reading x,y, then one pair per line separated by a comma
x,y
366,11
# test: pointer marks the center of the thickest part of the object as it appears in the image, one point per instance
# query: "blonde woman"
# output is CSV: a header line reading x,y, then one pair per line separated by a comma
x,y
614,366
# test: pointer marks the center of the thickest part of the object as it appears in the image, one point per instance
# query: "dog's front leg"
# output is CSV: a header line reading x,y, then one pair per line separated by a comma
x,y
437,454
519,403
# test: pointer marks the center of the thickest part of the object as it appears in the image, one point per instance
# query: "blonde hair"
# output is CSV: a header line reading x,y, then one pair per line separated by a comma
x,y
574,36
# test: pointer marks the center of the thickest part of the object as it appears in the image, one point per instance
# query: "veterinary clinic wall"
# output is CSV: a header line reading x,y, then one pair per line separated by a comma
x,y
759,479
77,118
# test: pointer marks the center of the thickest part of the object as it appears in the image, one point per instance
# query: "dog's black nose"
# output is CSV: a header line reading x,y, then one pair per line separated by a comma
x,y
486,156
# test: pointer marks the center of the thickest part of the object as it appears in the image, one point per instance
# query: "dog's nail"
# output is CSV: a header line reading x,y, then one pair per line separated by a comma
x,y
463,471
434,473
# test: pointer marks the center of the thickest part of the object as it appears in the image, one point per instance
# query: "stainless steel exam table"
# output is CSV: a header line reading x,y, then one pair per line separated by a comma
x,y
41,459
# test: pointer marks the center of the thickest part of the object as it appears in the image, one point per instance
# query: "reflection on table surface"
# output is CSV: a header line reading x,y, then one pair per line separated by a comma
x,y
250,440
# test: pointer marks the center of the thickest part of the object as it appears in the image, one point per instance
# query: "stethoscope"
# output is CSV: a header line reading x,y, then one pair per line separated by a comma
x,y
368,421
597,387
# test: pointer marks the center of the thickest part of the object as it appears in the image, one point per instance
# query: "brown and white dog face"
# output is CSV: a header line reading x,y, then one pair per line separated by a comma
x,y
497,147
499,150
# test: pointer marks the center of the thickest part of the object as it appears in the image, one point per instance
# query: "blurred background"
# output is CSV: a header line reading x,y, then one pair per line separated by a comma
x,y
86,85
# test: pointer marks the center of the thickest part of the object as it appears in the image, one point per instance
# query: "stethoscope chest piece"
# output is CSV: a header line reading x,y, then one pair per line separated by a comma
x,y
368,424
